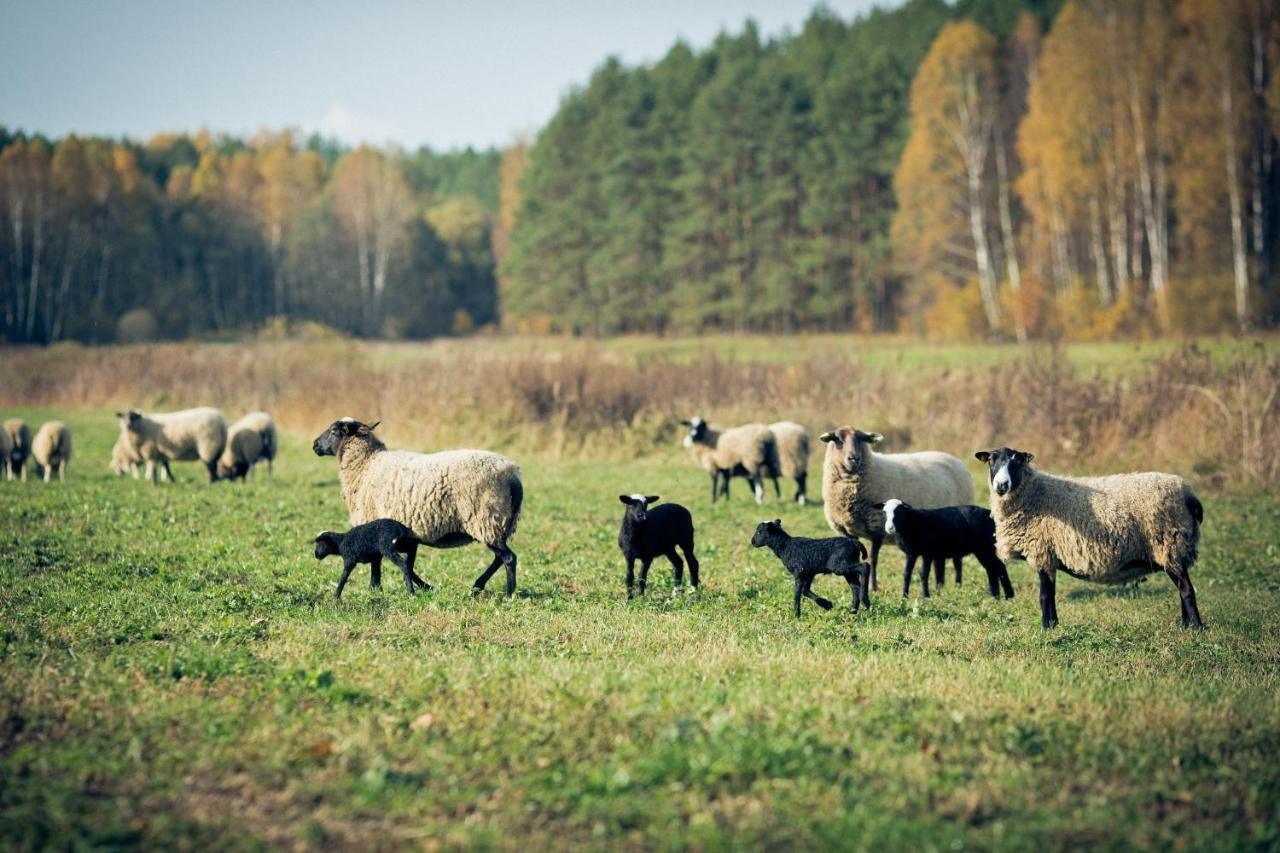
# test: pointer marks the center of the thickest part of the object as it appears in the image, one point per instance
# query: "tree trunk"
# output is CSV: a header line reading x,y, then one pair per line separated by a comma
x,y
16,209
37,239
1239,252
1099,252
1261,155
1151,207
1010,244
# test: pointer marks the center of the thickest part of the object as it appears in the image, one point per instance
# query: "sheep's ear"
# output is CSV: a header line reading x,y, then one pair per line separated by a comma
x,y
650,499
875,437
830,436
982,455
120,415
626,499
777,522
374,425
877,506
686,423
1027,457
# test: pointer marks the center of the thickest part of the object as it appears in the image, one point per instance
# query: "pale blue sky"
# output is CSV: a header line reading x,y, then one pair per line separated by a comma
x,y
443,74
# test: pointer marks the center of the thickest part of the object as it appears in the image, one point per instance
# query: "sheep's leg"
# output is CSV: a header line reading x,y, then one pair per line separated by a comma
x,y
678,569
644,573
813,596
1190,613
907,571
876,541
488,573
939,571
725,477
1048,598
687,547
997,574
631,577
167,472
715,485
400,563
509,560
777,490
757,482
347,566
800,489
410,555
62,470
375,572
48,472
924,576
958,562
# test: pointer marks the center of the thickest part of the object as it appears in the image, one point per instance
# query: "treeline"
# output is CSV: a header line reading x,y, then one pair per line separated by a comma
x,y
201,236
1005,168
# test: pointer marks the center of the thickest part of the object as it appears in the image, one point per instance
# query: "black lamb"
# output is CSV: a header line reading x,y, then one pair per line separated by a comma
x,y
952,532
650,533
806,558
369,543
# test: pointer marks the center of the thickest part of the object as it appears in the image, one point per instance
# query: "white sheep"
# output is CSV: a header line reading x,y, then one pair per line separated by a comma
x,y
249,440
1108,530
855,478
792,441
447,499
19,435
749,451
123,458
182,436
51,448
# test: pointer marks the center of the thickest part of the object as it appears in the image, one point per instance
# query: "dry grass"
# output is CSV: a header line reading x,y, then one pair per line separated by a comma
x,y
1211,415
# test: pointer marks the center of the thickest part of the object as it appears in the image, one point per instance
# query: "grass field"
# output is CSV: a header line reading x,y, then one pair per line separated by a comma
x,y
176,673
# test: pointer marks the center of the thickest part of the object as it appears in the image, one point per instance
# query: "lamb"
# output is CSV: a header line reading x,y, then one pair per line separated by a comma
x,y
1108,530
369,543
806,558
792,441
51,448
249,440
855,478
19,435
650,533
175,437
720,452
936,534
447,499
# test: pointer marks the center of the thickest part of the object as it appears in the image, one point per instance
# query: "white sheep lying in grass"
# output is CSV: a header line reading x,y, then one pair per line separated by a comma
x,y
447,499
249,441
749,450
1108,530
182,436
855,478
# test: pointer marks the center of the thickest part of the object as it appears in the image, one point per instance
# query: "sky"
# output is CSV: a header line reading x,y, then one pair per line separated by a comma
x,y
448,75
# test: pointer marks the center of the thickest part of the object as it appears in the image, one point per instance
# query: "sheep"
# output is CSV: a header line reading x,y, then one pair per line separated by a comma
x,y
806,558
936,534
249,440
6,450
720,452
650,533
369,543
855,478
792,442
51,448
123,458
19,435
447,499
1108,530
175,437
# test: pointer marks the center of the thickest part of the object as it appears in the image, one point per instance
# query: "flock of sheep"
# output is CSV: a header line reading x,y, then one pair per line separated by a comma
x,y
1103,529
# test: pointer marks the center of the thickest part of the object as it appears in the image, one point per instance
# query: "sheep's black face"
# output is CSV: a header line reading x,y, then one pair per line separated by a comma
x,y
326,443
636,505
325,546
697,431
765,531
1006,468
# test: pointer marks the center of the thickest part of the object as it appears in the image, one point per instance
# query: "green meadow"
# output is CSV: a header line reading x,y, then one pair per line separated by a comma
x,y
175,673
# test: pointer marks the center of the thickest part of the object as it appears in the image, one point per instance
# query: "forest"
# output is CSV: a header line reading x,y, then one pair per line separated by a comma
x,y
988,169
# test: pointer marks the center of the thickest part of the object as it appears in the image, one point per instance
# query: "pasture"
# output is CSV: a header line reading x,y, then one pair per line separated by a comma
x,y
176,673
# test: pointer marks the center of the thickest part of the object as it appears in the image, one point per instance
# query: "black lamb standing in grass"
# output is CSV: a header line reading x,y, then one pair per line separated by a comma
x,y
935,535
650,533
369,543
807,558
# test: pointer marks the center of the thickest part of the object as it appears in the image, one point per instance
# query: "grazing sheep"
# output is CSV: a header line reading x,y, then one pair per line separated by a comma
x,y
650,533
950,532
176,437
447,499
19,435
855,478
249,440
806,558
750,447
1108,530
369,543
792,441
51,448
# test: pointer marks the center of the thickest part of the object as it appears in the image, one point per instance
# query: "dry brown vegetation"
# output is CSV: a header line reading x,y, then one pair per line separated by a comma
x,y
1211,417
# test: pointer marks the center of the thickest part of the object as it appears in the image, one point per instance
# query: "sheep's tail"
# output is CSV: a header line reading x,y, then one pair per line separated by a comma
x,y
1194,506
517,499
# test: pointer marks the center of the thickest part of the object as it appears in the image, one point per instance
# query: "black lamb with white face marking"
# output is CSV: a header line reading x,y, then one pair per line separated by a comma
x,y
952,532
807,558
651,532
369,543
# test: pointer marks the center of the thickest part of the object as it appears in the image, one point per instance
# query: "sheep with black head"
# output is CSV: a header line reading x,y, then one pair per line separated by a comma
x,y
807,558
649,532
370,543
